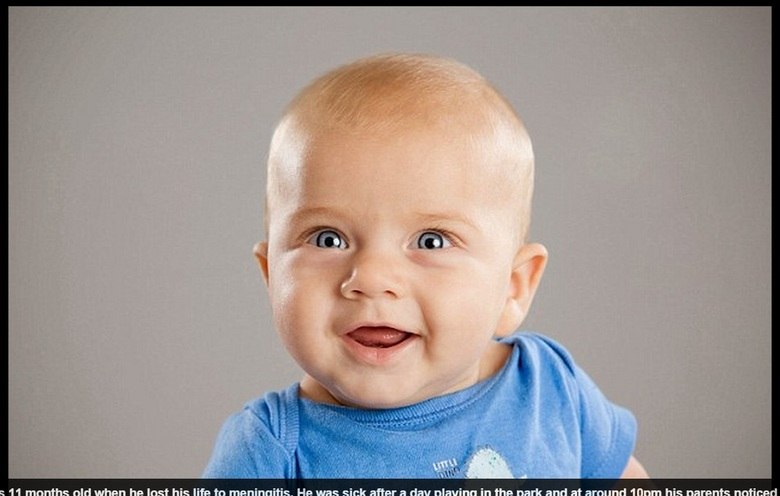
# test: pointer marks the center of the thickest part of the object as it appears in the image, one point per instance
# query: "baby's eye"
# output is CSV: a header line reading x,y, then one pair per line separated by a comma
x,y
328,238
432,240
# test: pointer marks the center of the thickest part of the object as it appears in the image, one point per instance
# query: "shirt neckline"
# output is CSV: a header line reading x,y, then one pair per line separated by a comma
x,y
415,414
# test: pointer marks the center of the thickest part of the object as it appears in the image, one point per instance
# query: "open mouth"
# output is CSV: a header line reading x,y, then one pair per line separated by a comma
x,y
379,337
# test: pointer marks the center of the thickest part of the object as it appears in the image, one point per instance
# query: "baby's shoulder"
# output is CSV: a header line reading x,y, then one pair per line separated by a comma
x,y
539,344
255,442
540,351
274,412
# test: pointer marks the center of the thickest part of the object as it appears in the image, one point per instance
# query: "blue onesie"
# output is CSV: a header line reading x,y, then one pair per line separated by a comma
x,y
540,417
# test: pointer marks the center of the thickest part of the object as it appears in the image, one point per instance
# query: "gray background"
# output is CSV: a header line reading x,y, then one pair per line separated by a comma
x,y
138,319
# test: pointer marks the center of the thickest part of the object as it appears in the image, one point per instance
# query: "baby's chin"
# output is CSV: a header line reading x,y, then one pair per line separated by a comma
x,y
365,400
379,403
367,397
383,402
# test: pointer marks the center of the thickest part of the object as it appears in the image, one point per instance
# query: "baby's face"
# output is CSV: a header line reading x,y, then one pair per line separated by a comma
x,y
388,265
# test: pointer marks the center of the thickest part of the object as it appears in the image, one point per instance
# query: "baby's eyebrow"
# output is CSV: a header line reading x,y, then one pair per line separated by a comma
x,y
306,214
436,217
309,214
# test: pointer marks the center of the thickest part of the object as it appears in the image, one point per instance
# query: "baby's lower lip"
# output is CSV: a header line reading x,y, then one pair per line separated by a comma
x,y
378,337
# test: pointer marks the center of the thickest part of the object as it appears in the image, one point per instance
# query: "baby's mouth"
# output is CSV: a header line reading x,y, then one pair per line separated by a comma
x,y
379,337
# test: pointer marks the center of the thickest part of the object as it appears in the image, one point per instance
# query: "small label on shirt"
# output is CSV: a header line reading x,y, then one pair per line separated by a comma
x,y
484,463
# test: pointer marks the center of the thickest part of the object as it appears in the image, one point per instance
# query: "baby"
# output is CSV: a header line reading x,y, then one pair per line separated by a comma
x,y
398,207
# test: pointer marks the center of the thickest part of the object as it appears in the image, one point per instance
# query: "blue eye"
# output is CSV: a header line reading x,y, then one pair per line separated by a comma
x,y
432,240
328,238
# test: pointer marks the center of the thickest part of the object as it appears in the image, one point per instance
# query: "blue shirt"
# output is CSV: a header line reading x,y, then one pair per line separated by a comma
x,y
540,417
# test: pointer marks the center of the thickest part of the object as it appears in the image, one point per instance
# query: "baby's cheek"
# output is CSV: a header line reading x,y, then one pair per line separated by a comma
x,y
300,307
290,322
282,294
477,305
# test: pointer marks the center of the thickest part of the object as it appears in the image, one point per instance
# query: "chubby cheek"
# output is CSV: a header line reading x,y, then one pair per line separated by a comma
x,y
469,305
301,304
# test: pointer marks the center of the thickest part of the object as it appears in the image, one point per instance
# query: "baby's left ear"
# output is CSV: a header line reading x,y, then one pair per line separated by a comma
x,y
527,270
261,254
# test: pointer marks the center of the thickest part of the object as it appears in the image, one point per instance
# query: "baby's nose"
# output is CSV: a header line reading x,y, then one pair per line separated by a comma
x,y
374,275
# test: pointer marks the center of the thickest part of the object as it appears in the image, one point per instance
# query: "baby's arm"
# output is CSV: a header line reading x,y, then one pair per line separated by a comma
x,y
634,470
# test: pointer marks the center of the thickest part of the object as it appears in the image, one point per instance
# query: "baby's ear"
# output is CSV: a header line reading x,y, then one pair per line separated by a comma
x,y
527,270
261,254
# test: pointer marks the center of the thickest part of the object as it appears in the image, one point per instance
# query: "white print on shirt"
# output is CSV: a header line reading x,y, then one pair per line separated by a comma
x,y
487,463
446,469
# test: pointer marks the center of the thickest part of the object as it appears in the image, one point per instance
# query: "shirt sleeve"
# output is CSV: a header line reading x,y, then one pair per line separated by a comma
x,y
246,448
607,432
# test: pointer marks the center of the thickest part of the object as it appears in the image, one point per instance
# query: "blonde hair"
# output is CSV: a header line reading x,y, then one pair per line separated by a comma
x,y
391,91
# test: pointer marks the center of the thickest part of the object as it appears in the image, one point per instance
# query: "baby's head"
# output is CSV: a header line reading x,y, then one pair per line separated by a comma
x,y
392,95
398,205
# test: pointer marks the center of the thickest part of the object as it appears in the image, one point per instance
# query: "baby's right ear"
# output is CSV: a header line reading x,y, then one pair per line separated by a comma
x,y
261,254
